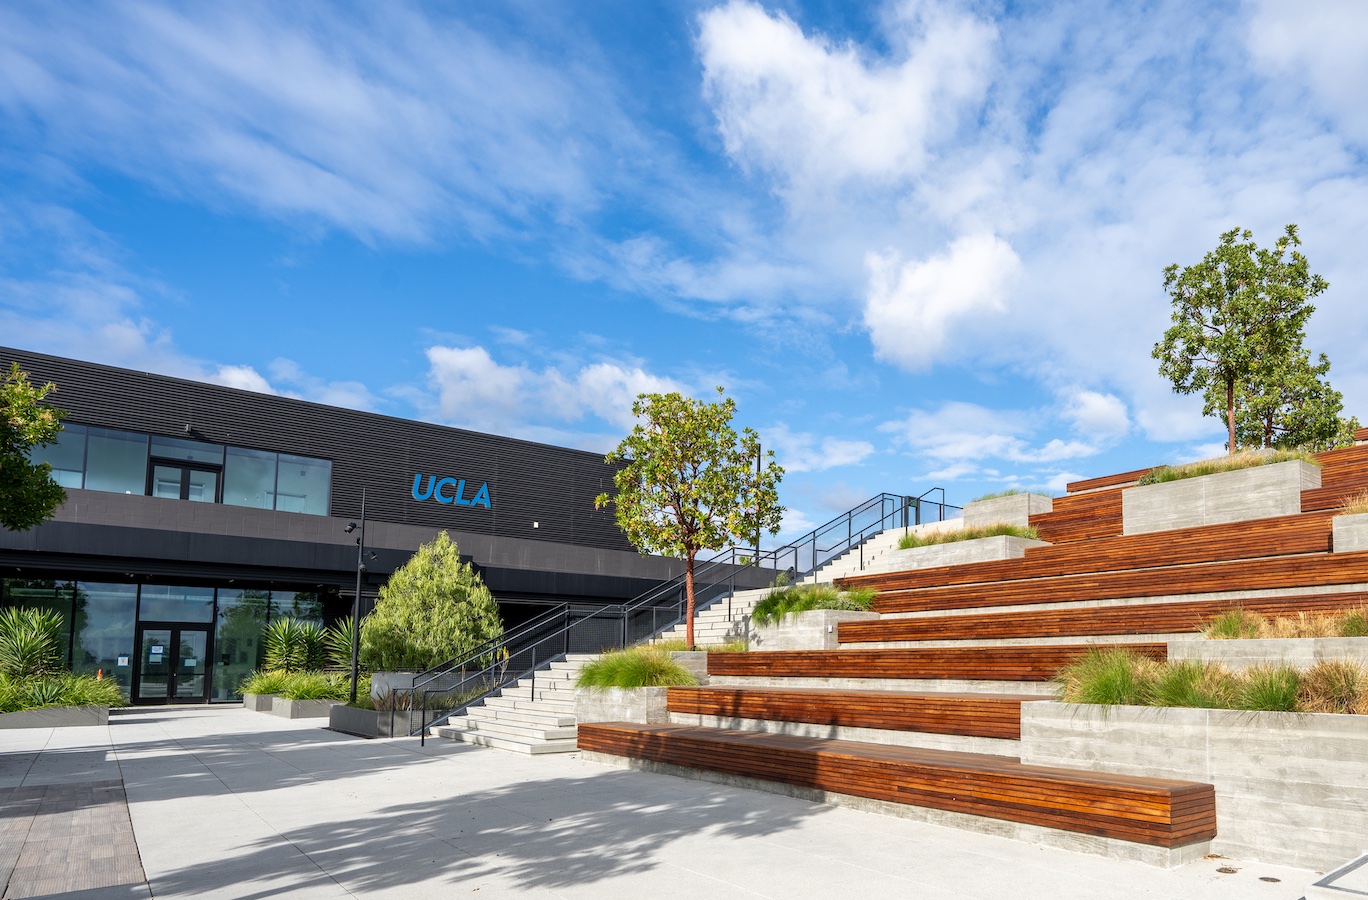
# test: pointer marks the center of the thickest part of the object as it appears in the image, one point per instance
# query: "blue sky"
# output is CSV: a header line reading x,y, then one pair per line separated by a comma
x,y
921,243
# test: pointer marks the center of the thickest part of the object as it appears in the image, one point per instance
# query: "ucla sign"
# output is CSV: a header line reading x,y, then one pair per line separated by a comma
x,y
437,490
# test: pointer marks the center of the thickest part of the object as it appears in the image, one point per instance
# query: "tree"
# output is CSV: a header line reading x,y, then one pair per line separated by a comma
x,y
1289,404
1240,308
432,609
690,483
28,495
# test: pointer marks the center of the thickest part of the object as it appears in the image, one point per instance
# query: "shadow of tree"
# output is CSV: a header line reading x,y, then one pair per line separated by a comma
x,y
551,833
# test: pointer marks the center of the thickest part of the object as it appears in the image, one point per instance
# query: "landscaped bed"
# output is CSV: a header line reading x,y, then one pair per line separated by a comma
x,y
1234,462
999,529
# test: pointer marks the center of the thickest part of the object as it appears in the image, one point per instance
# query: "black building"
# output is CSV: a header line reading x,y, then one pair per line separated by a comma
x,y
196,513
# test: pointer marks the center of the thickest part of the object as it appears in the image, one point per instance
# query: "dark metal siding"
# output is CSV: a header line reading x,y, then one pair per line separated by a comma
x,y
528,482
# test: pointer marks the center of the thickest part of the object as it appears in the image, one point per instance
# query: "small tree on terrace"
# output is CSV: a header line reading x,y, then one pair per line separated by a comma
x,y
432,609
1290,404
28,495
690,483
1241,309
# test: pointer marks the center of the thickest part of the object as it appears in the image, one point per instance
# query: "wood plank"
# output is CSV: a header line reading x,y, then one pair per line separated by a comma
x,y
1144,618
1092,484
969,663
1159,812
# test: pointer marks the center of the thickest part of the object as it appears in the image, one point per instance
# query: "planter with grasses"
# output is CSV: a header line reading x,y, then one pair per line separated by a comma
x,y
35,691
998,540
805,617
628,686
1011,507
1237,488
1350,525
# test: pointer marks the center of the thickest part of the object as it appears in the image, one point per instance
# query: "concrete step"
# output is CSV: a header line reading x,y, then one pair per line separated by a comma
x,y
519,693
532,716
514,730
559,706
513,745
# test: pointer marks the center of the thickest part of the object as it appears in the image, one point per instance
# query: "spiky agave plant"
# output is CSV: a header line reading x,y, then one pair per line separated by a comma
x,y
293,645
28,642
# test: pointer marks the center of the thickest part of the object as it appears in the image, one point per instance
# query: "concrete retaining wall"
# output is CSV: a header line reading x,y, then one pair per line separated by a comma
x,y
958,553
369,723
383,683
302,709
811,630
696,661
1299,653
1014,509
1255,493
56,717
1291,788
642,705
1350,533
258,702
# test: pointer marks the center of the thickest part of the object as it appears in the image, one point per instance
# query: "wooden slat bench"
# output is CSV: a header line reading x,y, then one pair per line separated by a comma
x,y
1140,618
1152,811
1308,570
1080,517
971,715
1274,536
966,663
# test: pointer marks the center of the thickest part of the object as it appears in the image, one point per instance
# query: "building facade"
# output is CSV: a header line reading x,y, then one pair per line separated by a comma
x,y
197,513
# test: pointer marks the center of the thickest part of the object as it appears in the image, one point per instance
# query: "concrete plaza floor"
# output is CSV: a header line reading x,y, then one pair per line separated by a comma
x,y
234,804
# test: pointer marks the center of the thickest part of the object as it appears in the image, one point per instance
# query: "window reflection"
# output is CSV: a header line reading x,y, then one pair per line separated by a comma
x,y
161,603
249,478
104,630
116,461
66,456
190,451
238,647
302,485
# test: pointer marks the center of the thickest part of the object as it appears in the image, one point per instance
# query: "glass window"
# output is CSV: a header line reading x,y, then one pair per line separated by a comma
x,y
297,605
303,485
190,451
40,593
104,630
249,478
66,456
116,461
161,603
242,617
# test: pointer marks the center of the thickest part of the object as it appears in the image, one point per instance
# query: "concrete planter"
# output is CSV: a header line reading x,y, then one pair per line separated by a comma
x,y
696,661
1254,493
385,683
1299,653
1291,788
958,553
811,630
56,717
1350,533
302,709
1014,509
646,706
258,702
368,723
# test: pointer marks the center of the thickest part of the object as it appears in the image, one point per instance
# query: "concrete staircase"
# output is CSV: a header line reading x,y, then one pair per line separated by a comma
x,y
523,719
873,556
721,621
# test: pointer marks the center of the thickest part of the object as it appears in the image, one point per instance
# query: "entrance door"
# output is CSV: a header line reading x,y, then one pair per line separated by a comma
x,y
173,664
177,481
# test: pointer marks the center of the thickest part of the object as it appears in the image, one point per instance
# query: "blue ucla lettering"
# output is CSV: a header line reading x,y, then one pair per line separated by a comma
x,y
417,479
437,489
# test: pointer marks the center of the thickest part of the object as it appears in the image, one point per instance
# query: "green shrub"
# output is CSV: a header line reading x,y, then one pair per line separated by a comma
x,y
1193,684
265,681
317,686
1269,689
60,689
29,645
997,529
294,645
432,609
1354,623
632,668
337,643
801,598
1245,460
1110,676
1234,624
676,645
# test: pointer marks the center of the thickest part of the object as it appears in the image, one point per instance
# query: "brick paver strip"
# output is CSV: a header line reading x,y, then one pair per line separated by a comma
x,y
59,838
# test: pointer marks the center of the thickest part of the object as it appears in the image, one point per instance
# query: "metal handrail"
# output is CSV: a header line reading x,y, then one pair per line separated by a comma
x,y
495,675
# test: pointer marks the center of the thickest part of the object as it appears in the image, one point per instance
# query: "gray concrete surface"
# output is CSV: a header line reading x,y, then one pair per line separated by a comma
x,y
1299,653
1014,509
1349,533
645,705
1255,493
226,803
814,629
1291,788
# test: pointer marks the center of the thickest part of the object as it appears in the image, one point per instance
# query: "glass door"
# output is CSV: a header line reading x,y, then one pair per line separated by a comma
x,y
182,482
173,664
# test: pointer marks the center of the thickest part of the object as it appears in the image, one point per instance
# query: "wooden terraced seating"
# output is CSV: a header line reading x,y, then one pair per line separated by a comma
x,y
1152,811
1344,473
1081,517
970,715
1143,618
1274,536
1307,570
967,663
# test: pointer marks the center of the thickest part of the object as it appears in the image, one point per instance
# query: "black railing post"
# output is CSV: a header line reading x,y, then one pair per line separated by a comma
x,y
533,691
422,720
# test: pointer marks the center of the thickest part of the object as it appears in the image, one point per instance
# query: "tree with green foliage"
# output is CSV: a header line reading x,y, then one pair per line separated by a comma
x,y
1238,313
432,609
28,495
690,483
1289,404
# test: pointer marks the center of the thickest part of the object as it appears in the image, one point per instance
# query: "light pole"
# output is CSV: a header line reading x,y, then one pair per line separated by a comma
x,y
356,602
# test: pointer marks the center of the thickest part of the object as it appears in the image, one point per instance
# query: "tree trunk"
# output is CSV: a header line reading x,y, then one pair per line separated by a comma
x,y
689,603
1230,413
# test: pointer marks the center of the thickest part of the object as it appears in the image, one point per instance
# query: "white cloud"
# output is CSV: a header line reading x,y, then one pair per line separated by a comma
x,y
911,305
244,378
1098,414
805,452
811,111
475,391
